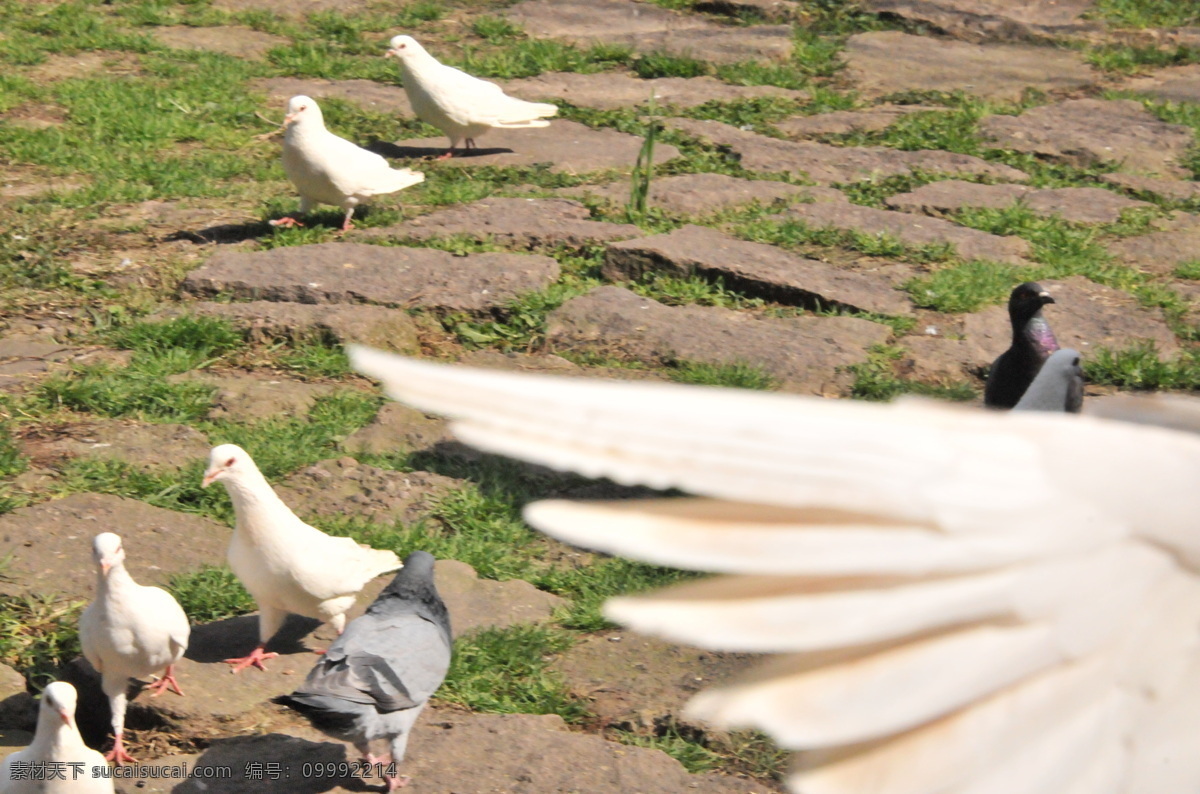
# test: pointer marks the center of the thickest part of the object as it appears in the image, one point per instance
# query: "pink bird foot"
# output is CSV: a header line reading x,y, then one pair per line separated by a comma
x,y
446,155
399,781
382,760
118,755
256,658
166,682
287,223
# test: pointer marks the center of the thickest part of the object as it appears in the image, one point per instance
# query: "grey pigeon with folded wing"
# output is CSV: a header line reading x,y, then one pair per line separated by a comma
x,y
374,680
1058,385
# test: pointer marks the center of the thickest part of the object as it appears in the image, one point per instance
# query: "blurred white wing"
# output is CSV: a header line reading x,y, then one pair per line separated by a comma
x,y
963,601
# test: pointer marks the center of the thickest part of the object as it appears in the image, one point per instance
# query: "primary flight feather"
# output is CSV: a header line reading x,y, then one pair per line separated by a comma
x,y
461,106
285,564
961,601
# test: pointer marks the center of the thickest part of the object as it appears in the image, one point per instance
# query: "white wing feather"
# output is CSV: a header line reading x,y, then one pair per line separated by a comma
x,y
970,602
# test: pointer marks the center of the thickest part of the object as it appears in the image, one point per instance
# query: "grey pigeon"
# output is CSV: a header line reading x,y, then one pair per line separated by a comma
x,y
374,680
1057,387
1032,344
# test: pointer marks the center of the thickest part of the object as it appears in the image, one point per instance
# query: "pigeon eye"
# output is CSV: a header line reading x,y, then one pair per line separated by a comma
x,y
402,46
230,462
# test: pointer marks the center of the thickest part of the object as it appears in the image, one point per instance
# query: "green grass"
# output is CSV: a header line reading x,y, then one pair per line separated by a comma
x,y
589,588
1140,367
1189,270
210,593
1126,59
876,380
964,287
739,375
506,671
38,634
1147,13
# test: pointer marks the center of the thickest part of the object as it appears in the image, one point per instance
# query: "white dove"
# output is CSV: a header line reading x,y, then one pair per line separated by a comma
x,y
129,631
964,602
461,106
327,169
286,565
57,762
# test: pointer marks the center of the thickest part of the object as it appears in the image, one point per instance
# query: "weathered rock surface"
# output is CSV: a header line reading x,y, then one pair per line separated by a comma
x,y
1085,316
994,20
476,603
774,10
1084,132
398,428
252,398
1176,189
345,487
1079,204
51,543
1176,84
649,28
1161,252
702,194
610,91
970,243
888,62
294,8
568,146
826,164
844,122
755,268
359,273
805,353
367,94
377,326
143,445
25,357
514,222
229,39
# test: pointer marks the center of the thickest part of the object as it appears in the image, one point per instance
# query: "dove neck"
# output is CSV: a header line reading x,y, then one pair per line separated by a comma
x,y
115,581
55,739
253,497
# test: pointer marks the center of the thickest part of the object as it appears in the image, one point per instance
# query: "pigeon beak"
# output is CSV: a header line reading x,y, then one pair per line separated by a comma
x,y
391,54
105,566
1046,297
209,477
66,716
288,119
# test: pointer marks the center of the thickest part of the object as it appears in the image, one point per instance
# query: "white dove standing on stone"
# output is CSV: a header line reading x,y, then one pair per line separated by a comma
x,y
461,106
129,631
327,169
962,601
57,746
286,565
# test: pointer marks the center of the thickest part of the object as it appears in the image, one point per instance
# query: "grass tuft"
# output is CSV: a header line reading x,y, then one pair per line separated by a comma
x,y
211,593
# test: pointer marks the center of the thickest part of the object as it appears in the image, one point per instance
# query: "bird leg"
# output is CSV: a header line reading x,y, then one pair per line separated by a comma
x,y
470,144
382,760
118,755
256,658
166,682
287,222
346,224
446,155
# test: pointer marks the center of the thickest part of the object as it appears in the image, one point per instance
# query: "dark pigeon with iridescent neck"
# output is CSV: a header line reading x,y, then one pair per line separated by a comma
x,y
1032,344
374,680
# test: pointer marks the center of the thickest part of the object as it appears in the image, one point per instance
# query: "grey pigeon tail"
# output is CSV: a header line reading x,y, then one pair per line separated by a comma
x,y
1032,344
1057,387
373,682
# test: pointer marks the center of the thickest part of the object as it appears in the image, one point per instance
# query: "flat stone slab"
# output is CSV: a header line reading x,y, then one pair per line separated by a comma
x,y
1078,204
384,275
377,326
1176,84
889,62
1085,316
513,222
50,543
704,194
1176,189
345,487
366,94
755,268
143,445
826,164
773,10
398,428
610,91
294,8
1085,132
1162,251
649,28
476,603
253,398
229,39
844,122
994,20
568,146
911,230
25,357
805,353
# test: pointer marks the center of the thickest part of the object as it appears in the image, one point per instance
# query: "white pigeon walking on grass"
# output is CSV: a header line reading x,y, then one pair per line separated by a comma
x,y
57,761
286,565
129,631
327,169
461,106
962,601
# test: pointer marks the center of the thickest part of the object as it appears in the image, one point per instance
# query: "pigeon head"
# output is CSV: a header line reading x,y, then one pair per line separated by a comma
x,y
58,698
414,578
303,110
404,48
107,551
227,462
1058,385
1027,300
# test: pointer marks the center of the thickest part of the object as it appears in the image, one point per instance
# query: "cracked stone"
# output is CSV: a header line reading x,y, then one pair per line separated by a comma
x,y
995,20
610,91
251,398
844,122
145,446
1078,204
345,487
703,194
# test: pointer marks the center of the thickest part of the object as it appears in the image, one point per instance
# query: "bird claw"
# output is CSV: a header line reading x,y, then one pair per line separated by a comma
x,y
287,223
445,155
118,755
399,781
256,658
167,681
